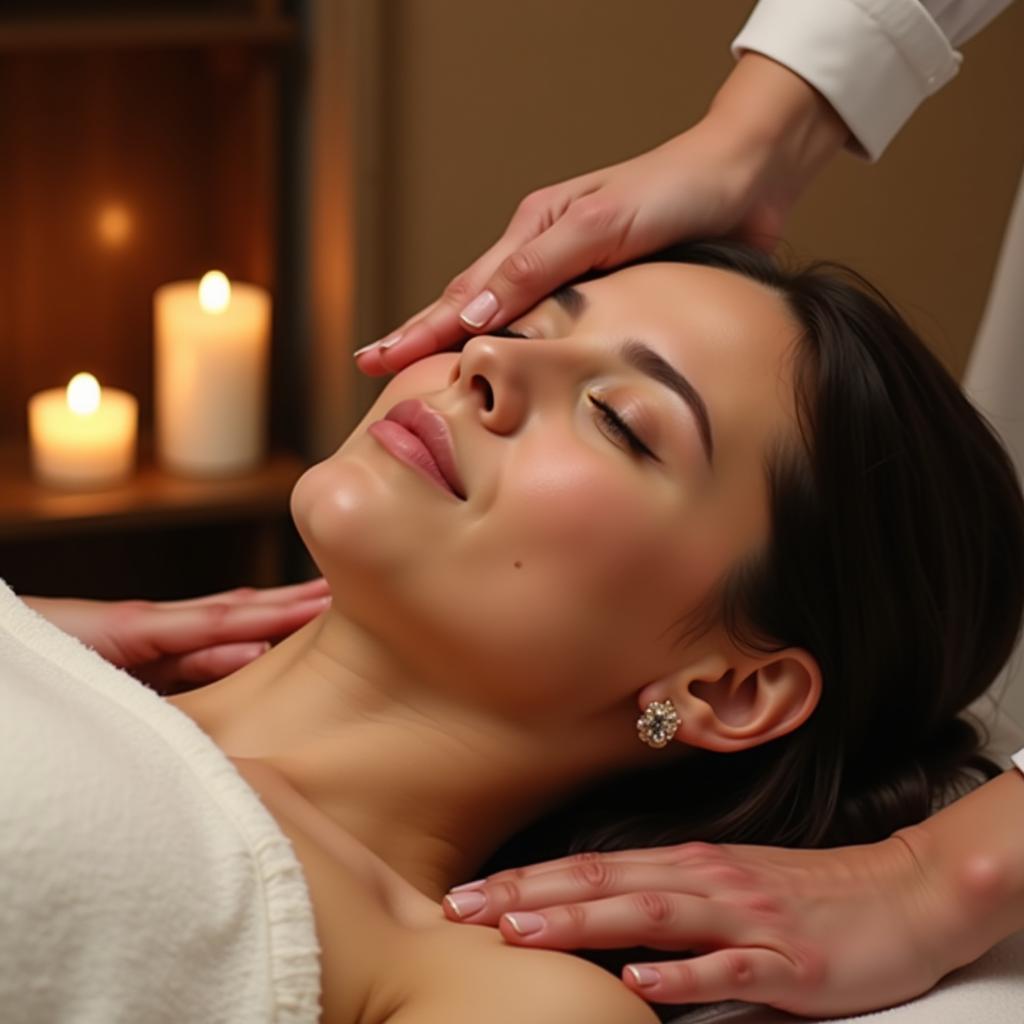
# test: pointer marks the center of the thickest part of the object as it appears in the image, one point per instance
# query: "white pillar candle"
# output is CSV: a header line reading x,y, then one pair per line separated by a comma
x,y
212,351
82,436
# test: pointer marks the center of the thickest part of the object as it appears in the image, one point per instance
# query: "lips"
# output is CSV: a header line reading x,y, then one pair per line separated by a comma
x,y
417,435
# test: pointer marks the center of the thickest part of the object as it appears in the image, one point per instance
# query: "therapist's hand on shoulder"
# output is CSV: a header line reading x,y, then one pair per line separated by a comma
x,y
735,173
812,932
173,646
815,932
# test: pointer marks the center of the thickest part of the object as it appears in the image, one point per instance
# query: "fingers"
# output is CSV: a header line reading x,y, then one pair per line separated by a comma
x,y
576,242
753,975
159,630
317,587
593,878
656,919
519,270
679,854
439,326
179,673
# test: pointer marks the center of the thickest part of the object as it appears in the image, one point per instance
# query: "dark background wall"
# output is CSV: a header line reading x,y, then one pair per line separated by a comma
x,y
483,102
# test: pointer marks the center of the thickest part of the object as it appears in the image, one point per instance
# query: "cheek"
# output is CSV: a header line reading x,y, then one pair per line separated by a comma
x,y
597,549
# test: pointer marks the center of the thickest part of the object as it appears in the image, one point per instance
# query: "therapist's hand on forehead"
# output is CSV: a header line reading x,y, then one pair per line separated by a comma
x,y
735,173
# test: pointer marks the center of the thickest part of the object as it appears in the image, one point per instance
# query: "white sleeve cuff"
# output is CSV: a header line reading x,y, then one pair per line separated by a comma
x,y
875,61
1018,759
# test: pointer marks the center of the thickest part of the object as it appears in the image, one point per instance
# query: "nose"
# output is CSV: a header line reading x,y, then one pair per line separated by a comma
x,y
495,375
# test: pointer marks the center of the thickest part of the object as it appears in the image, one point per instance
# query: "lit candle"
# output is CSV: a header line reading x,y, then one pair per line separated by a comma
x,y
82,436
212,349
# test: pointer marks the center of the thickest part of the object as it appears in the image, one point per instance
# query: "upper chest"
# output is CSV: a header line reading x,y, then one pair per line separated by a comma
x,y
374,930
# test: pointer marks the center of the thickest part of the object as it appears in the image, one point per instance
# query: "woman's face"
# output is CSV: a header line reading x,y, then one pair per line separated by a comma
x,y
557,584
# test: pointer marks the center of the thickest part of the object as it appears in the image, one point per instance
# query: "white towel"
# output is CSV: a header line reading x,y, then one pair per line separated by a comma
x,y
141,878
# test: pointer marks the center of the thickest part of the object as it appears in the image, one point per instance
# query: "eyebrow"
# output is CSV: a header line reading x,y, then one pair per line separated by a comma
x,y
640,356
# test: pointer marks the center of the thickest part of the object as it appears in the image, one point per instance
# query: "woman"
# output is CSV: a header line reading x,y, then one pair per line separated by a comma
x,y
838,74
661,488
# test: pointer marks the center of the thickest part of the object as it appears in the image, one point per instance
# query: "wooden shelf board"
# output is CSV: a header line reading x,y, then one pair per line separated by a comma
x,y
39,34
152,497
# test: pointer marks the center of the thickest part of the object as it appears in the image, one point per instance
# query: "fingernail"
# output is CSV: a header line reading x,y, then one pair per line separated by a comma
x,y
526,924
466,903
480,310
644,976
365,348
391,339
468,885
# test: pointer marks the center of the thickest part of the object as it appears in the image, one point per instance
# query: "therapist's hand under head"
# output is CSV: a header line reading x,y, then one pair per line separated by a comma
x,y
737,172
815,932
173,646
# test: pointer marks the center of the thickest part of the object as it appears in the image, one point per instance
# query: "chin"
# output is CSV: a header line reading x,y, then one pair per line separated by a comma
x,y
346,510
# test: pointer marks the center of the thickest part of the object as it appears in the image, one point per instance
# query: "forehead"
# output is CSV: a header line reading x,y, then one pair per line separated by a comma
x,y
732,337
691,305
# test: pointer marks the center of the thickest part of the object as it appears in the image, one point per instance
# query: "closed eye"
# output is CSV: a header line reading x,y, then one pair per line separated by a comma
x,y
612,421
620,428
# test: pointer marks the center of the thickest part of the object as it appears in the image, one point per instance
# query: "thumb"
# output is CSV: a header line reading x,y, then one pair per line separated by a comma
x,y
582,238
577,242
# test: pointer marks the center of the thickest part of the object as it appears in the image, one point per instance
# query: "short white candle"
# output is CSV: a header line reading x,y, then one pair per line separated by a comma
x,y
212,340
82,436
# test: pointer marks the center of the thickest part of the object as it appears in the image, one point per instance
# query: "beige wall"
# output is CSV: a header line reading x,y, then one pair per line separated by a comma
x,y
481,102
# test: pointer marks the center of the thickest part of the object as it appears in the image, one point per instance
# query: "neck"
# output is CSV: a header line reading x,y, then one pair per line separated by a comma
x,y
429,785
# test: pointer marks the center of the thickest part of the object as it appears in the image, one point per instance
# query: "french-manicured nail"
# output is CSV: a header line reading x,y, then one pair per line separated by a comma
x,y
466,903
365,348
480,310
391,339
526,924
644,976
468,885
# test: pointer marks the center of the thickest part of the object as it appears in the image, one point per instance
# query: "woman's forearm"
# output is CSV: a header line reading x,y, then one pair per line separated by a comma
x,y
972,853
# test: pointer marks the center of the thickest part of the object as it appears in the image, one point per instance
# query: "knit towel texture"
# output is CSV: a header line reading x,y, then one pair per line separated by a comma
x,y
141,878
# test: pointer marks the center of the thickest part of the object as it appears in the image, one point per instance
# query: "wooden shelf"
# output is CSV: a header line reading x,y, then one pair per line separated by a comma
x,y
43,34
152,498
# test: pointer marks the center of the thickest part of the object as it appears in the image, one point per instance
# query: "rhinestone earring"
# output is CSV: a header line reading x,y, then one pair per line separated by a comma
x,y
658,724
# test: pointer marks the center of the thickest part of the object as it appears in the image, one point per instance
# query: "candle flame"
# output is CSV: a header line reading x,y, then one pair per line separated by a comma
x,y
214,292
83,394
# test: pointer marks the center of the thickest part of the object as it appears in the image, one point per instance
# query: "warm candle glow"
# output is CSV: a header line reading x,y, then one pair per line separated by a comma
x,y
211,374
82,436
83,394
114,225
214,292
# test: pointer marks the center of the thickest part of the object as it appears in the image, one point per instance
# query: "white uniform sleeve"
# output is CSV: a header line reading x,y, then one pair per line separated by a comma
x,y
875,61
1018,759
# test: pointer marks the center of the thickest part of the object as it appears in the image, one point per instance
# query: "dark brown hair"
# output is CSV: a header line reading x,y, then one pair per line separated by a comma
x,y
896,557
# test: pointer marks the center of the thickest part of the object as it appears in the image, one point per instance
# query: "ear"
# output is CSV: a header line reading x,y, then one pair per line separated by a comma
x,y
732,703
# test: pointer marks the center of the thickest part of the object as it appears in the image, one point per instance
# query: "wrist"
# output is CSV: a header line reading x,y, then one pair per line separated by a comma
x,y
784,129
971,858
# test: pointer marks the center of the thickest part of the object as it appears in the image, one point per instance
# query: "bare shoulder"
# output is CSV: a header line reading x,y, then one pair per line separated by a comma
x,y
506,985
